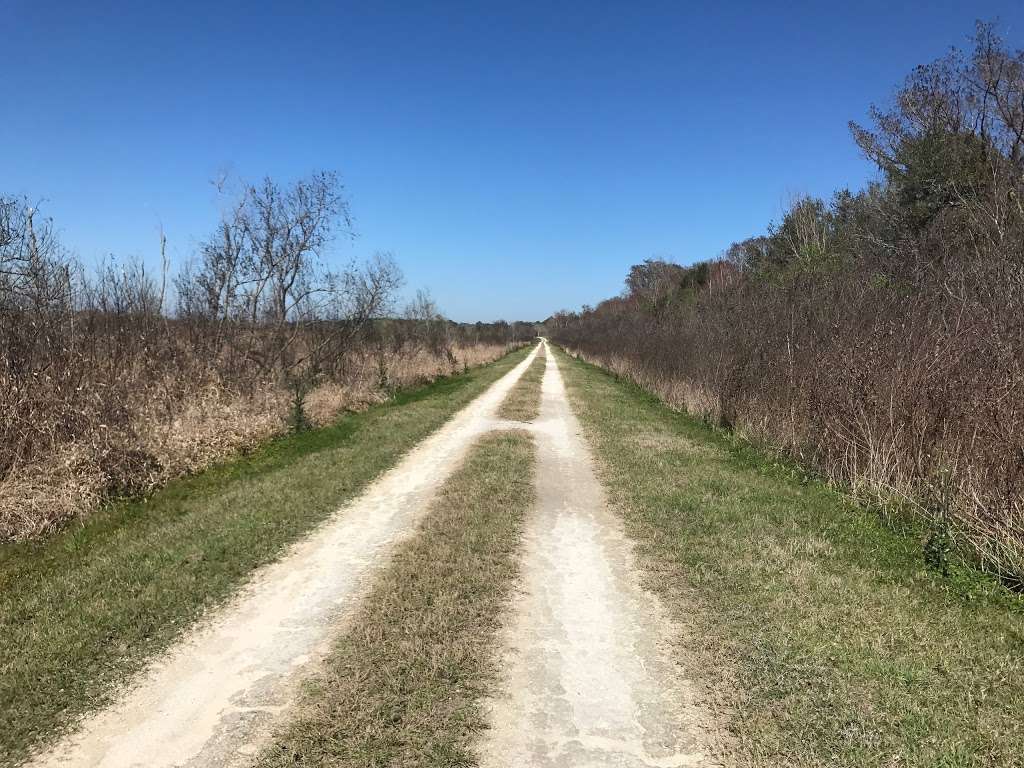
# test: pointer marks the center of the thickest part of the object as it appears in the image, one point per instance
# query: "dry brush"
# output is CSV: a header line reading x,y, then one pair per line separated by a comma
x,y
878,338
114,380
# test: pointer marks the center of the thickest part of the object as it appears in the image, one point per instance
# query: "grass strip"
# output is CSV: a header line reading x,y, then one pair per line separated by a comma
x,y
402,687
819,635
87,608
522,403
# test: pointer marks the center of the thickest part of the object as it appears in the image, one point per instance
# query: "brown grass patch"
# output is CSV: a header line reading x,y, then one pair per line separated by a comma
x,y
169,427
522,403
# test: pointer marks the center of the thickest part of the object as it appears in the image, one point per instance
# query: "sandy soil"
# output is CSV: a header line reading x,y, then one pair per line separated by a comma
x,y
211,699
589,679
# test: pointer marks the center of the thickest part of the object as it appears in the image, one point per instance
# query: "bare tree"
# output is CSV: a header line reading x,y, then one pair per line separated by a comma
x,y
265,267
429,327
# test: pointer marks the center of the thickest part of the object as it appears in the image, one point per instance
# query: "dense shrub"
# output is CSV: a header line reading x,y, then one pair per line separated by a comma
x,y
878,337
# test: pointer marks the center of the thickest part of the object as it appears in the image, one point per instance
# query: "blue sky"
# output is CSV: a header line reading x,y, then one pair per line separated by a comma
x,y
516,157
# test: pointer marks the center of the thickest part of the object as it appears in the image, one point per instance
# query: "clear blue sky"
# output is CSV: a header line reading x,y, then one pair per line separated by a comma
x,y
516,157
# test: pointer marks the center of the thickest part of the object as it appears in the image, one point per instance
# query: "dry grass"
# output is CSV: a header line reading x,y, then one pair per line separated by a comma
x,y
403,684
172,427
206,426
373,374
523,402
325,402
211,425
39,498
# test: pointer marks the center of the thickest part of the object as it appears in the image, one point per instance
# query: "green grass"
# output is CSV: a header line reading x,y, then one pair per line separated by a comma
x,y
817,634
402,686
522,403
87,608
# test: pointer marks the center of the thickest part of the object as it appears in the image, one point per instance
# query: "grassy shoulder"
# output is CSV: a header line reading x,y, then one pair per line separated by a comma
x,y
402,686
88,607
818,634
522,403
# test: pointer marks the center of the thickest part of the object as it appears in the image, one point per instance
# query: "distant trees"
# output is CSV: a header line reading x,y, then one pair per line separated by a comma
x,y
653,280
656,283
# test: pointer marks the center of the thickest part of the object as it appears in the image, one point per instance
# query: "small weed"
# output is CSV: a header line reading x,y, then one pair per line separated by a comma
x,y
938,545
298,421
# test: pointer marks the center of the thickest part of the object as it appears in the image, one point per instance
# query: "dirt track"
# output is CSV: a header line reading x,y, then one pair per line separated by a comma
x,y
587,678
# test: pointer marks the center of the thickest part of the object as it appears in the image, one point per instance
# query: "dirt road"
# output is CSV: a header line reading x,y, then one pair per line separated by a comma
x,y
210,700
588,681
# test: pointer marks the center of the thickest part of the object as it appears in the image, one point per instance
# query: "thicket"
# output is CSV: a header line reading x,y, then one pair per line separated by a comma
x,y
878,336
114,379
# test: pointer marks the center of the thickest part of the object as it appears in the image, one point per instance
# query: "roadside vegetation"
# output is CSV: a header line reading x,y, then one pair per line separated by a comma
x,y
523,402
817,634
82,610
403,684
876,337
118,378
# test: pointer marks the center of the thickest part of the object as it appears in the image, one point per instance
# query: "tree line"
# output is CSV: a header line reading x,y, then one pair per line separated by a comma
x,y
877,336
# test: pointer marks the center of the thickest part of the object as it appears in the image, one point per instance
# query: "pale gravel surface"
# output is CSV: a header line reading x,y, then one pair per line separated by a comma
x,y
587,663
210,701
